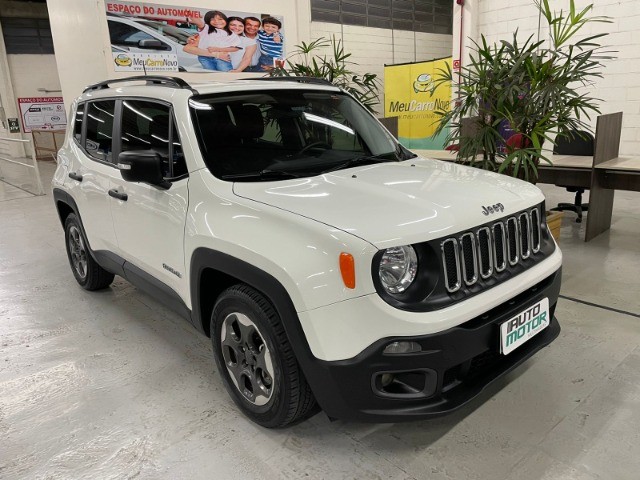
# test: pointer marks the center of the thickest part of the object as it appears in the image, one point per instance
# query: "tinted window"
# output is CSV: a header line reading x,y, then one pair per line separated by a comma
x,y
77,123
262,136
179,166
27,35
146,126
430,16
100,129
173,33
128,35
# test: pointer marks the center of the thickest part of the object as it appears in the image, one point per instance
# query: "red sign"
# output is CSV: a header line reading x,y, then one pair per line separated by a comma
x,y
456,64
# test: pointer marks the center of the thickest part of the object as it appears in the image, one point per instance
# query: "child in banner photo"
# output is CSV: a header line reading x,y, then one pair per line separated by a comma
x,y
271,43
213,42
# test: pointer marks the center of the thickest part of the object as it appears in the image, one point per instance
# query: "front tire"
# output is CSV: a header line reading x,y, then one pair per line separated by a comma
x,y
86,270
255,359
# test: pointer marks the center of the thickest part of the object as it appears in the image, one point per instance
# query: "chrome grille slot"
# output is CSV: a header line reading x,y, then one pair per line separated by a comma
x,y
512,240
469,258
500,247
485,252
476,256
525,235
451,264
535,230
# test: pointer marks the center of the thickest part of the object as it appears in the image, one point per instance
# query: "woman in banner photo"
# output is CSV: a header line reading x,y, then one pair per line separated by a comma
x,y
214,39
241,59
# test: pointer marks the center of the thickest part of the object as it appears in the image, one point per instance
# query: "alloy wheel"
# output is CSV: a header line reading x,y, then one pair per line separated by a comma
x,y
247,358
77,251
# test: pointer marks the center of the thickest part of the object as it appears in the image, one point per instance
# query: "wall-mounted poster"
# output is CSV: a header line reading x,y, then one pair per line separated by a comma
x,y
152,38
407,95
42,113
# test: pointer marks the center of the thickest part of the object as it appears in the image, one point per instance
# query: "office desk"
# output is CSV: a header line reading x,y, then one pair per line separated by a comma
x,y
567,170
446,155
618,173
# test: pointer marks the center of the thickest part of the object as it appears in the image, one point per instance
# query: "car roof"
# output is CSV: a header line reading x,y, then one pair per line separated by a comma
x,y
164,88
253,85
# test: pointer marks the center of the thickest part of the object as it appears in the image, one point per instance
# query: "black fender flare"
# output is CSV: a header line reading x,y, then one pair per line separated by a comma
x,y
276,293
60,196
106,260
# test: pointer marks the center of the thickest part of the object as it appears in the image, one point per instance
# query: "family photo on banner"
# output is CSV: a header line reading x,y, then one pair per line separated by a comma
x,y
153,38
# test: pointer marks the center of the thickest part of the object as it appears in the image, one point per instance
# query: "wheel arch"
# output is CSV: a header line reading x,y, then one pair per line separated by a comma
x,y
213,271
221,270
65,205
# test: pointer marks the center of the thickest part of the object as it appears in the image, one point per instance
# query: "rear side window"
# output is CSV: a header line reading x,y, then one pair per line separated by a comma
x,y
98,141
149,126
77,123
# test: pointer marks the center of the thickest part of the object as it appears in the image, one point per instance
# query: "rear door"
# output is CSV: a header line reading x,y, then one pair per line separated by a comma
x,y
150,223
93,170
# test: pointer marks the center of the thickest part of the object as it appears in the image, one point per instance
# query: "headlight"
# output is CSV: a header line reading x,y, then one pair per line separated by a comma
x,y
398,268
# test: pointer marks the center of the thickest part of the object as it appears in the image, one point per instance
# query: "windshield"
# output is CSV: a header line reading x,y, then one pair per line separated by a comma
x,y
279,134
169,31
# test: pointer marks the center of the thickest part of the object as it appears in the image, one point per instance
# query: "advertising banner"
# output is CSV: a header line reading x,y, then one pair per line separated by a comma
x,y
153,38
407,96
42,113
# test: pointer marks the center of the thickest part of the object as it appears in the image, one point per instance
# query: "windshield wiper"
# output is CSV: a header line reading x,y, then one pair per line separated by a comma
x,y
262,175
364,160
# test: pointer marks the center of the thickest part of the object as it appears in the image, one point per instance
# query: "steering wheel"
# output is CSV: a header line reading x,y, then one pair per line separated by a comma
x,y
313,145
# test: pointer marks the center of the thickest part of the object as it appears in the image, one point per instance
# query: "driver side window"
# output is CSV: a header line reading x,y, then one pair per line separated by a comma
x,y
150,126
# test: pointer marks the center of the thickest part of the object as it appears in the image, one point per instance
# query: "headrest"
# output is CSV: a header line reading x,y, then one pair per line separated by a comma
x,y
249,121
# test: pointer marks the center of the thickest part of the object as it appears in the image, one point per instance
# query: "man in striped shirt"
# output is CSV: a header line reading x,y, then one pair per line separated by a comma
x,y
271,43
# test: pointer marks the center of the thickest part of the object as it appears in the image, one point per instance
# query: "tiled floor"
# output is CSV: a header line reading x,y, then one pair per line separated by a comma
x,y
112,385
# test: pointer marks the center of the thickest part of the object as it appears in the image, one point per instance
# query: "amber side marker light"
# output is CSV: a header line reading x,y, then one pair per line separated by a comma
x,y
348,270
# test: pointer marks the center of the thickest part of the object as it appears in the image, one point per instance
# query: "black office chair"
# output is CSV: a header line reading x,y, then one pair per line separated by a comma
x,y
578,143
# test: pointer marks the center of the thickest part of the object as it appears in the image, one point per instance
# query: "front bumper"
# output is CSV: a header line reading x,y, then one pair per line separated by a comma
x,y
454,366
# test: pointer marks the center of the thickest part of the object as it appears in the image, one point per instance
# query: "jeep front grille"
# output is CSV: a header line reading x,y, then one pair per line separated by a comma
x,y
488,250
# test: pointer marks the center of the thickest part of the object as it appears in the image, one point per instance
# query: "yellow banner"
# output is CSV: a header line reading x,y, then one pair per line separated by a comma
x,y
407,95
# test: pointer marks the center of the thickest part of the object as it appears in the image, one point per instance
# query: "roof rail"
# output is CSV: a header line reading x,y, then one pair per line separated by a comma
x,y
313,80
158,80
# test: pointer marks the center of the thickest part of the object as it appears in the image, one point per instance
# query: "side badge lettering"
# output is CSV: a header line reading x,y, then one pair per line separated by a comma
x,y
175,272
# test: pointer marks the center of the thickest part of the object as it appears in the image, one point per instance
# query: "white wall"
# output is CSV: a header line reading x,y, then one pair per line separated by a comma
x,y
372,48
83,50
620,87
33,72
22,75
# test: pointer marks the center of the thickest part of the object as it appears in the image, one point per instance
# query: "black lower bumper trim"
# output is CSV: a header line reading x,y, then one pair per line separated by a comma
x,y
461,362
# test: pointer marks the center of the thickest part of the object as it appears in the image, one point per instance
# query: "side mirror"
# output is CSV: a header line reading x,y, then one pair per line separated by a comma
x,y
142,166
151,44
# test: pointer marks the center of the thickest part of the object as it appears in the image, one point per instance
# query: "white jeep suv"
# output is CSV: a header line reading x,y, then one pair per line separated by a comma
x,y
330,266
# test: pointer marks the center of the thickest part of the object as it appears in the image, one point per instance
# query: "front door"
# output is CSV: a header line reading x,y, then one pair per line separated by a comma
x,y
150,223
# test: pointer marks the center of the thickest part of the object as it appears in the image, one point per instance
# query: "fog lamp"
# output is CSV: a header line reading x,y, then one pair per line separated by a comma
x,y
396,348
386,379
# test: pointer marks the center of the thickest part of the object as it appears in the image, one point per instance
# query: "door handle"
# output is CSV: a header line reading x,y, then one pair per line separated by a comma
x,y
75,176
116,194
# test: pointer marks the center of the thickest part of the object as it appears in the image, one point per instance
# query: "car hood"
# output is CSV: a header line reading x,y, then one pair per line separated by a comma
x,y
391,204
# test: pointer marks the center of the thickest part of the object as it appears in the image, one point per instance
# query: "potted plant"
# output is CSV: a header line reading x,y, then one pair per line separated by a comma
x,y
527,92
307,61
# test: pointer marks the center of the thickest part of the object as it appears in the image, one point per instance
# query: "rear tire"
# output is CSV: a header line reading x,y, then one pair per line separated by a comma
x,y
256,361
88,273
